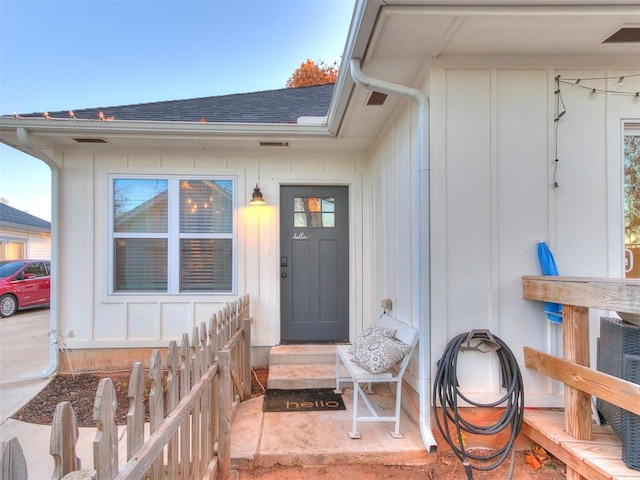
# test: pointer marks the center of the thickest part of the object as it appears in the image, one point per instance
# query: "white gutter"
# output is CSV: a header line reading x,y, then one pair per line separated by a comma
x,y
151,129
23,139
424,243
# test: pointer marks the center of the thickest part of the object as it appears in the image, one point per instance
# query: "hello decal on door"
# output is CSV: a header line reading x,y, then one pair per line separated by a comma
x,y
300,236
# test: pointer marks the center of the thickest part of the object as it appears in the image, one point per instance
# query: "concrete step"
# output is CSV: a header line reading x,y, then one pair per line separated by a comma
x,y
302,354
302,366
291,377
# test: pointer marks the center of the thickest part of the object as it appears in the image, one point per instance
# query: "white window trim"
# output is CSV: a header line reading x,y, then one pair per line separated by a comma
x,y
173,236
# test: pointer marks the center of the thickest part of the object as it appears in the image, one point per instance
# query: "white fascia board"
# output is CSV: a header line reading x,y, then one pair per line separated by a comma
x,y
364,17
146,129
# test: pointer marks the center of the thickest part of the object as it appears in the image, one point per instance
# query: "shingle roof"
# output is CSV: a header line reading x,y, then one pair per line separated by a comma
x,y
18,217
271,106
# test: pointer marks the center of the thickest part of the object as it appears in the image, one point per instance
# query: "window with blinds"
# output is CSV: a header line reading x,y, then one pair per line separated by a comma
x,y
173,235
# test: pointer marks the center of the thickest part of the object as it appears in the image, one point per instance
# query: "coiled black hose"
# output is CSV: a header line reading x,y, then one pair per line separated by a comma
x,y
446,393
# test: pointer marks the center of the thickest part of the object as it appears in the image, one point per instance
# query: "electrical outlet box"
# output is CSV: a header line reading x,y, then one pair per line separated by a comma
x,y
386,304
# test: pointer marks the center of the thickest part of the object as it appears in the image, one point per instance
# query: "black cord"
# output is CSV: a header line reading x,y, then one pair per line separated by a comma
x,y
446,393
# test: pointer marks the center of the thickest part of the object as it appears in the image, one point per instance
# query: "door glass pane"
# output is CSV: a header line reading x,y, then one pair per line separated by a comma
x,y
140,205
314,212
141,264
206,206
632,201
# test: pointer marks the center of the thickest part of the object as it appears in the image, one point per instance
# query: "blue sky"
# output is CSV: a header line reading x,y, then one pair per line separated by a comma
x,y
72,54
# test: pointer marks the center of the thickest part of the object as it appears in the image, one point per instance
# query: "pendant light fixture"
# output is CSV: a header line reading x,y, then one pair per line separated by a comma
x,y
256,198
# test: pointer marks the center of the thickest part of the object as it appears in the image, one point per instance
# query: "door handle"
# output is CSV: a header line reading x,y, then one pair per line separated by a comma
x,y
283,274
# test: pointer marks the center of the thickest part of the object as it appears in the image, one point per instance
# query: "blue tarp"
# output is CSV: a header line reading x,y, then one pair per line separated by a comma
x,y
549,267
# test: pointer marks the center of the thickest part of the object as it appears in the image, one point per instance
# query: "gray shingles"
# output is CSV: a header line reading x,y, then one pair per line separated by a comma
x,y
271,106
18,217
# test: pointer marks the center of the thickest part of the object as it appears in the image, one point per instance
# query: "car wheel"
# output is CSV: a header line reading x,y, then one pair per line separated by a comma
x,y
8,305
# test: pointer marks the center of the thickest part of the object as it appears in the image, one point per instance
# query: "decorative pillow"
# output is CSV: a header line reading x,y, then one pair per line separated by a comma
x,y
371,332
379,354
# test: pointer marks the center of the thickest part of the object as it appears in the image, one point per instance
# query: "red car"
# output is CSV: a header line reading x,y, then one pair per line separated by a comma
x,y
24,284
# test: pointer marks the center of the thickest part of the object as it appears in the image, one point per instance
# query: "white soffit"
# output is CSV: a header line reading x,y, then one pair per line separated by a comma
x,y
406,39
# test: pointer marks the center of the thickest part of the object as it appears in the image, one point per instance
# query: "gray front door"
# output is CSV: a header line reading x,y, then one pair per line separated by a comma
x,y
314,264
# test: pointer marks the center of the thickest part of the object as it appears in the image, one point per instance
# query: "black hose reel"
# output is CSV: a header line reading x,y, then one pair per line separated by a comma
x,y
446,394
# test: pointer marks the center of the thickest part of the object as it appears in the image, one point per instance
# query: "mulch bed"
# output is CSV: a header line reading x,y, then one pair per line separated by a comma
x,y
80,390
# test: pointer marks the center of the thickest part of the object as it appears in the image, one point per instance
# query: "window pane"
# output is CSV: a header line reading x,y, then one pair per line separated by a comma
x,y
37,270
141,264
313,204
328,204
206,206
206,264
299,219
328,220
314,212
140,205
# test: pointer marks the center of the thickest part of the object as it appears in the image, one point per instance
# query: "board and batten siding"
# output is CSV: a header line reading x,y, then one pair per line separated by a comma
x,y
100,320
492,151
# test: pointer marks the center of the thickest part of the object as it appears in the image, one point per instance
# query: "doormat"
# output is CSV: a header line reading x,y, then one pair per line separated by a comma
x,y
307,400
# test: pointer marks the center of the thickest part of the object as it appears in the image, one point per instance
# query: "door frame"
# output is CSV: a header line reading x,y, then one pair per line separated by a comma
x,y
356,239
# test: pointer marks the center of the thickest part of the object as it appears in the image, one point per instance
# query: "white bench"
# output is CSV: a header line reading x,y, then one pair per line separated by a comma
x,y
360,376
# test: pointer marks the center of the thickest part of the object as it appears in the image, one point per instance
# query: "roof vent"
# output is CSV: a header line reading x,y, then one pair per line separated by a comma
x,y
376,98
625,35
274,144
90,140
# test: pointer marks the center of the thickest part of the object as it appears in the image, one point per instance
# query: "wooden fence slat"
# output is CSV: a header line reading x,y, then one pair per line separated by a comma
x,y
156,407
172,400
136,413
213,346
195,414
64,436
12,462
105,443
224,422
246,352
185,386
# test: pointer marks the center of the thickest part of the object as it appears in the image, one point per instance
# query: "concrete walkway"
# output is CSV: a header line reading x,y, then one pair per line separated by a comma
x,y
24,356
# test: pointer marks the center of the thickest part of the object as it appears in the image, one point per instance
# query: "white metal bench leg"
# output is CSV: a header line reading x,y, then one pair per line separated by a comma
x,y
396,432
354,434
337,389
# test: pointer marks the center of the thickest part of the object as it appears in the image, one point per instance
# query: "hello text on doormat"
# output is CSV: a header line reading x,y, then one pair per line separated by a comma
x,y
306,400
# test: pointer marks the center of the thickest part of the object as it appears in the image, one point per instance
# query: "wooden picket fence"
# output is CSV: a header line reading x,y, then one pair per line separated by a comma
x,y
189,438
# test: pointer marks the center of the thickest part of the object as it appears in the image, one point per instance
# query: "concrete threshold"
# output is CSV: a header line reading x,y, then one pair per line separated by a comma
x,y
308,439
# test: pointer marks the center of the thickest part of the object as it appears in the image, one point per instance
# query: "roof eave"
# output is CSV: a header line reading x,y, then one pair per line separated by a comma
x,y
24,226
364,17
46,127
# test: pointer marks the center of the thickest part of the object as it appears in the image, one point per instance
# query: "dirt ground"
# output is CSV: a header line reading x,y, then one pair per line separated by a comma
x,y
445,467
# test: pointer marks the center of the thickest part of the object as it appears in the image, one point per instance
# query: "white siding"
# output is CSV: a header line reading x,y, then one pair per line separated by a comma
x,y
100,320
36,242
492,158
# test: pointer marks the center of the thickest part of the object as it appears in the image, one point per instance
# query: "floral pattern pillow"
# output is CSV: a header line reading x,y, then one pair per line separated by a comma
x,y
371,332
379,354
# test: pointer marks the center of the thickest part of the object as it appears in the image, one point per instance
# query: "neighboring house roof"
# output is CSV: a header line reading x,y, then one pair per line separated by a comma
x,y
10,215
272,106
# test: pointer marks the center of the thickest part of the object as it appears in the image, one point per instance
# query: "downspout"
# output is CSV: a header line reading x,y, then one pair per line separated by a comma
x,y
28,147
424,263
